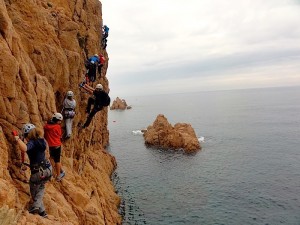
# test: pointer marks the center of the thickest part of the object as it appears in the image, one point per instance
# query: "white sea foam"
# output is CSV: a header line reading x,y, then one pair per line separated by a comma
x,y
137,132
201,139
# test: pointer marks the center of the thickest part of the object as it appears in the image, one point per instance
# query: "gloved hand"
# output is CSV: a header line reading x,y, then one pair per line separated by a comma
x,y
15,133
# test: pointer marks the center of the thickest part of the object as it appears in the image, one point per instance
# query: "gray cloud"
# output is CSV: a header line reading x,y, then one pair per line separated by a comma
x,y
213,66
155,43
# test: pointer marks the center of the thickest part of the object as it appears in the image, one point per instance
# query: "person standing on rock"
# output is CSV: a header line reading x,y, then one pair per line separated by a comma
x,y
41,171
68,112
53,133
99,99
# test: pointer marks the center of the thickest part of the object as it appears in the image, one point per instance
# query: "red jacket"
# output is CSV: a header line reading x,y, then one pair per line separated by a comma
x,y
102,59
52,133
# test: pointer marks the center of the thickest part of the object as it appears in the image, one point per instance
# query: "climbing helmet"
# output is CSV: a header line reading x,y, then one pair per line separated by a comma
x,y
57,116
27,128
99,86
70,94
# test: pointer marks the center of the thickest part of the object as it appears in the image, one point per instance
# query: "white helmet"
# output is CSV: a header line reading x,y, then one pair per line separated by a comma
x,y
27,128
57,116
99,86
96,55
70,94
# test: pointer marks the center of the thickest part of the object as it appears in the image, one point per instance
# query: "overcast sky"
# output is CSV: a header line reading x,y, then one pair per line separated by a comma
x,y
175,46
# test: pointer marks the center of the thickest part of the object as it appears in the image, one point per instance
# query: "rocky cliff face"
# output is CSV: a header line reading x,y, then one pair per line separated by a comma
x,y
43,47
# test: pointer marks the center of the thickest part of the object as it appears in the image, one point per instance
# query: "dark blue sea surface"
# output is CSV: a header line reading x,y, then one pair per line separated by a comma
x,y
248,171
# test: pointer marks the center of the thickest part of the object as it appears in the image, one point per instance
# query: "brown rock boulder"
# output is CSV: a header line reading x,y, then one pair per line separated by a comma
x,y
163,135
119,104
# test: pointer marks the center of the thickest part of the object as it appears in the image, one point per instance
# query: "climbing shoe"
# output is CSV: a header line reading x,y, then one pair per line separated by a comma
x,y
43,214
33,210
60,176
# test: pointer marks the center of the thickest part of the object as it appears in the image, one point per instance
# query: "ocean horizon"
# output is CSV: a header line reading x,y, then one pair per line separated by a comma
x,y
200,91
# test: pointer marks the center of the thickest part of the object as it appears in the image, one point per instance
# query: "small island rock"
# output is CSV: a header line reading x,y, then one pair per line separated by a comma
x,y
163,135
119,104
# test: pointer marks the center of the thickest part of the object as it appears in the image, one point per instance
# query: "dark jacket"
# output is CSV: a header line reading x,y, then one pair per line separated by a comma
x,y
100,98
36,151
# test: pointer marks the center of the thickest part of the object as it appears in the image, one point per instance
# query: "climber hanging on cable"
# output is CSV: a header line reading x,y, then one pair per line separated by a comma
x,y
68,112
93,64
102,61
53,135
41,171
99,99
105,31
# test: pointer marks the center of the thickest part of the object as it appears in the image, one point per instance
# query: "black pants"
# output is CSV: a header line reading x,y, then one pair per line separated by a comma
x,y
96,108
99,69
105,35
92,73
104,43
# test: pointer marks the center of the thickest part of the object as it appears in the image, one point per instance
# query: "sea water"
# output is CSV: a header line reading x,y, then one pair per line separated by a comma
x,y
248,171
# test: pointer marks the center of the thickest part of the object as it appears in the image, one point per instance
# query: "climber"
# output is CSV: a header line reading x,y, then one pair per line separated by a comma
x,y
40,167
105,30
91,65
99,99
104,43
68,112
102,61
53,133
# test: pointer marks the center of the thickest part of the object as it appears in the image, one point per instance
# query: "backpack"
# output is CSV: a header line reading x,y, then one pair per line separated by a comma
x,y
106,101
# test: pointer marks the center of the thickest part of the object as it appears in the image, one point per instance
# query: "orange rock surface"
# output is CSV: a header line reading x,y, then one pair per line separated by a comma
x,y
163,135
43,48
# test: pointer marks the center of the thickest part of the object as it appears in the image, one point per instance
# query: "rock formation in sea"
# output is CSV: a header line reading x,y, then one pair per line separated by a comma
x,y
43,48
119,104
162,134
